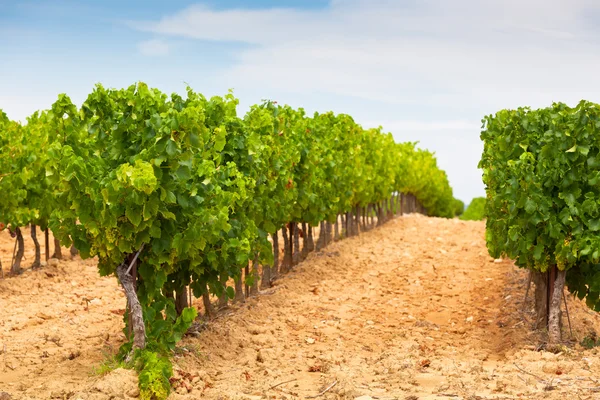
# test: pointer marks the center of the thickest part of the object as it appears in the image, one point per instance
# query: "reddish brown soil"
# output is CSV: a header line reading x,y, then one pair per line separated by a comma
x,y
415,309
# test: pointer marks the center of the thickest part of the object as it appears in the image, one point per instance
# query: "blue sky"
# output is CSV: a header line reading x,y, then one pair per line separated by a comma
x,y
425,70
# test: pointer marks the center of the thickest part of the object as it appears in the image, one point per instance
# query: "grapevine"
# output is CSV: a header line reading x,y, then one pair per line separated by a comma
x,y
541,170
172,193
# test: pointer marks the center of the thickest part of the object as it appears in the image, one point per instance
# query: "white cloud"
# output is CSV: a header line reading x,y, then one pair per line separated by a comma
x,y
154,47
455,61
494,53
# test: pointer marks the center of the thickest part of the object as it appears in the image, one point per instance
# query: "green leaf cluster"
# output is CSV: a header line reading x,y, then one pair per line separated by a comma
x,y
459,207
542,175
420,175
21,176
475,211
154,371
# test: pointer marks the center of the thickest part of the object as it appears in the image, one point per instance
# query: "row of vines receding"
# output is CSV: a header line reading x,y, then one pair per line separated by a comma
x,y
180,197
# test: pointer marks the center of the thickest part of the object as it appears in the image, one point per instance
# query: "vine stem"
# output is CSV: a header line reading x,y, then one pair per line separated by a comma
x,y
134,260
12,262
527,291
568,316
135,308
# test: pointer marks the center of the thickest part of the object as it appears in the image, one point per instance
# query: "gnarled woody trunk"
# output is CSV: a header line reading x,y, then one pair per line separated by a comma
x,y
265,279
135,308
16,266
275,269
239,289
296,243
36,243
223,300
209,310
311,239
57,249
305,250
286,264
554,314
181,300
322,233
549,288
255,276
541,298
47,244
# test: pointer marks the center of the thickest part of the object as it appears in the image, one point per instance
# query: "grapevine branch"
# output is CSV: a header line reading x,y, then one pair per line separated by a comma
x,y
568,316
12,262
134,260
527,291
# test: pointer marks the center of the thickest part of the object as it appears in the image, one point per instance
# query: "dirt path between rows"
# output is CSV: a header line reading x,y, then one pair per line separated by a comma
x,y
415,309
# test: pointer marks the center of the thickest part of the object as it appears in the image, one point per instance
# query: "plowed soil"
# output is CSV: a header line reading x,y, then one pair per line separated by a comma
x,y
415,309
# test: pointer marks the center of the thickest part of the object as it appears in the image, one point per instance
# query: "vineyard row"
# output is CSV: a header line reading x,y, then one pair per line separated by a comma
x,y
171,193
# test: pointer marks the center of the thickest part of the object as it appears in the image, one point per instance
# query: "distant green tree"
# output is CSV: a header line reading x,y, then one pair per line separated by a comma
x,y
459,207
475,210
